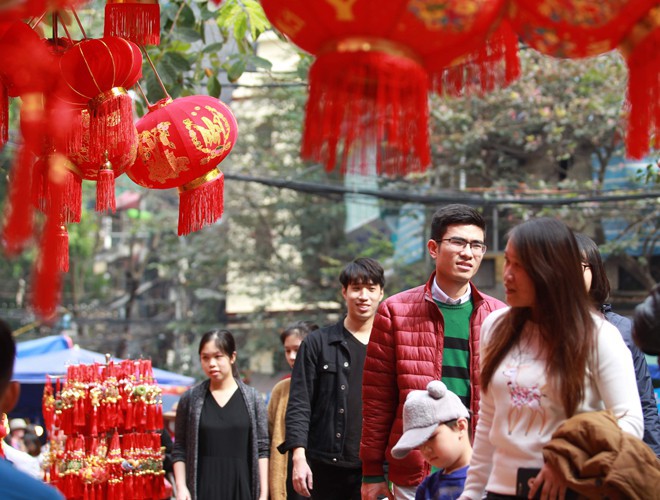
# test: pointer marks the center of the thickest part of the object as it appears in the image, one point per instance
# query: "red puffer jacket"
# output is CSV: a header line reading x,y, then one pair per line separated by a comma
x,y
404,354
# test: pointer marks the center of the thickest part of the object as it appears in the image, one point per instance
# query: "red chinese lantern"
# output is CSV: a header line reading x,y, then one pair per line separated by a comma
x,y
119,154
370,79
134,20
575,29
98,73
181,142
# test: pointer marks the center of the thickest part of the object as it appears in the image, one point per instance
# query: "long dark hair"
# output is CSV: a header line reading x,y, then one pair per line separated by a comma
x,y
549,254
224,341
600,285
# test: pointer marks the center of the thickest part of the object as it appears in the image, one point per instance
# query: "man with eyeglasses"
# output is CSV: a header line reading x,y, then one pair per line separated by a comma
x,y
425,333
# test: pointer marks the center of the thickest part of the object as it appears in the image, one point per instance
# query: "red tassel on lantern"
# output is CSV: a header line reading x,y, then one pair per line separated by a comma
x,y
369,102
57,169
134,20
201,202
642,51
493,65
62,249
105,188
47,275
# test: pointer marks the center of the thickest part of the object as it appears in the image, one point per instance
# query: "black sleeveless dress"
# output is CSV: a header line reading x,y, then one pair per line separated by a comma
x,y
224,450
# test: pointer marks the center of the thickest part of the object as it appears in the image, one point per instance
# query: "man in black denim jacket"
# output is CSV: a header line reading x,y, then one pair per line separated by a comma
x,y
324,414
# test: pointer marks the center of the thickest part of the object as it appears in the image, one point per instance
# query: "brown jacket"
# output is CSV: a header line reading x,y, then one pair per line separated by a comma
x,y
599,460
279,398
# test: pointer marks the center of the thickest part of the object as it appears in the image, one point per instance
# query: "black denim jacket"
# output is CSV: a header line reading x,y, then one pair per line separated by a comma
x,y
316,413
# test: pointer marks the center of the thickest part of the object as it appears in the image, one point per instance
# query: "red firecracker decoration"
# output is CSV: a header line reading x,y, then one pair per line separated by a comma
x,y
134,20
374,67
181,142
98,73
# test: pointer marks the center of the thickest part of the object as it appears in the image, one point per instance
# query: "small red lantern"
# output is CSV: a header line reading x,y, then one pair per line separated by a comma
x,y
369,83
180,144
98,73
134,20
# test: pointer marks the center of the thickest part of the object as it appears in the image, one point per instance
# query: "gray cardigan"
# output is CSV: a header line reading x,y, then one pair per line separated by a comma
x,y
186,445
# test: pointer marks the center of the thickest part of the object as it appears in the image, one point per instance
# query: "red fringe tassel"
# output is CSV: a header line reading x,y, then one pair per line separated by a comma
x,y
62,250
47,277
643,99
110,124
368,99
494,65
105,190
201,205
137,22
44,174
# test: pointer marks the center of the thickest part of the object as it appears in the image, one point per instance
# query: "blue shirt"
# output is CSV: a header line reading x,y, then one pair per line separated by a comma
x,y
439,486
15,485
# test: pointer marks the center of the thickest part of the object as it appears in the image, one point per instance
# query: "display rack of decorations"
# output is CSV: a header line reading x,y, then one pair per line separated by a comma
x,y
105,423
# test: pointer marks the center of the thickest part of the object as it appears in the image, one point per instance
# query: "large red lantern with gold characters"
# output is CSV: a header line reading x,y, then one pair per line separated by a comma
x,y
180,144
374,66
575,29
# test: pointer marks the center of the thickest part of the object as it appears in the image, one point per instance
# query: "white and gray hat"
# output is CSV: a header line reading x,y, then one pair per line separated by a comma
x,y
423,411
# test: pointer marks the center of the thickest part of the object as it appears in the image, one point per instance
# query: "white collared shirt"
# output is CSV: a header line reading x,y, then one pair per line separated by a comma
x,y
441,296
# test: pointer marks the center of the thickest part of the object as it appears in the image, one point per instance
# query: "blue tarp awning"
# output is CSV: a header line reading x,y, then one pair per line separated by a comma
x,y
43,345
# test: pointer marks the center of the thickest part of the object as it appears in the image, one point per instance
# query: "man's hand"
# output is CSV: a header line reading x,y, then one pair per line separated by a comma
x,y
550,483
372,491
302,475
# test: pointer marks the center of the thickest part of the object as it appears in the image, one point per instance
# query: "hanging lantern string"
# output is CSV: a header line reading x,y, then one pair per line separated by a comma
x,y
82,30
144,96
160,82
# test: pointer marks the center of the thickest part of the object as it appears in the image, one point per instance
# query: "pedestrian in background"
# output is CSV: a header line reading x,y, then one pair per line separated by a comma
x,y
324,414
598,286
547,357
281,465
646,330
221,448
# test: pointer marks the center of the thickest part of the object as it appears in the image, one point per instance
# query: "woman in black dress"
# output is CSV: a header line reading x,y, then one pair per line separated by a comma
x,y
221,448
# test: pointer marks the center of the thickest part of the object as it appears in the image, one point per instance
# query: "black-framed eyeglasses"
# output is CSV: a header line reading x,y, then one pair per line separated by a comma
x,y
585,267
459,244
